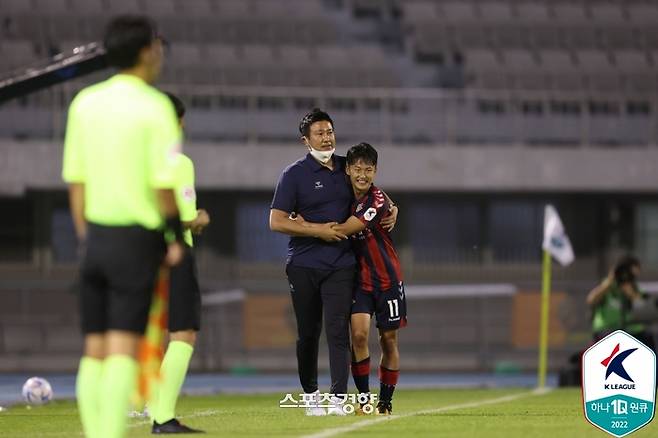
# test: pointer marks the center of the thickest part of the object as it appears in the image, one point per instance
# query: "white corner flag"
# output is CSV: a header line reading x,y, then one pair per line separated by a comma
x,y
556,241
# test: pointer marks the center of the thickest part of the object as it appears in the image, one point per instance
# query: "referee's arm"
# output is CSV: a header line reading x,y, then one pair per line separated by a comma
x,y
77,204
74,170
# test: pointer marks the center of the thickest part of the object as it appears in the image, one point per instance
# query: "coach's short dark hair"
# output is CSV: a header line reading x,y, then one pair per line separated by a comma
x,y
364,152
316,115
179,106
125,37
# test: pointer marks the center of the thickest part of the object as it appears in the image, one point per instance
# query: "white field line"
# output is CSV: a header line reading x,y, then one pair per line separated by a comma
x,y
361,424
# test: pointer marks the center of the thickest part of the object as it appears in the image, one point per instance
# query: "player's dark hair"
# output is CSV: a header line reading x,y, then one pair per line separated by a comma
x,y
624,269
316,115
125,37
179,106
364,152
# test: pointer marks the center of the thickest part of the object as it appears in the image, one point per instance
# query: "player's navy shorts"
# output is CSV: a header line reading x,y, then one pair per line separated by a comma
x,y
184,295
117,277
389,306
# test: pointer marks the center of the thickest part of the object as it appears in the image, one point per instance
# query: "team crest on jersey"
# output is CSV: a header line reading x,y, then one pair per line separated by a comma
x,y
318,185
370,214
619,384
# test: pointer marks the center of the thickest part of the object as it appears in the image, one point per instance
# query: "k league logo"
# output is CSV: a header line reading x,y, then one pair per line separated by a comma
x,y
619,384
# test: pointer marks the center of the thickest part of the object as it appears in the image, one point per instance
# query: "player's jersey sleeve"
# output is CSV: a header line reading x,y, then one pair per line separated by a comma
x,y
374,209
285,194
73,169
164,144
185,192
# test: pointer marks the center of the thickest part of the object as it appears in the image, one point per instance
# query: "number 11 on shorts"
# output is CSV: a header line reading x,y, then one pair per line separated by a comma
x,y
393,308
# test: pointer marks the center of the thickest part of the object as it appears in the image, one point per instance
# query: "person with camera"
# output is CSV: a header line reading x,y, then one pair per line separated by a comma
x,y
612,303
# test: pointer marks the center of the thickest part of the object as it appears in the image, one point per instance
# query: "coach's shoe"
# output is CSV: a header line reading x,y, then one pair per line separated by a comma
x,y
384,408
336,405
172,426
314,409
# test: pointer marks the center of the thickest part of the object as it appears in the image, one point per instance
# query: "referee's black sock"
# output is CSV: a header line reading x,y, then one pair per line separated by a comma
x,y
361,375
387,381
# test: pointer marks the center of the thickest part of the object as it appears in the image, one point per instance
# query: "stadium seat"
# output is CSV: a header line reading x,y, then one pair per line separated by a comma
x,y
196,8
606,13
420,11
473,36
510,37
88,7
160,8
125,6
258,55
485,70
581,37
458,12
16,53
533,12
619,37
233,9
632,61
221,54
527,73
495,11
569,13
600,72
563,72
293,55
183,54
643,13
51,7
543,37
11,7
295,8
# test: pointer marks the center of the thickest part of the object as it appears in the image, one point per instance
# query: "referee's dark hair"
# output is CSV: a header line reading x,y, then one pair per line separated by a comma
x,y
364,152
316,115
125,37
179,106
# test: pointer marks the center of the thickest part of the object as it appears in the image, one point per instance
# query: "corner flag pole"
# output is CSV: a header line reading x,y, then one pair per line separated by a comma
x,y
543,325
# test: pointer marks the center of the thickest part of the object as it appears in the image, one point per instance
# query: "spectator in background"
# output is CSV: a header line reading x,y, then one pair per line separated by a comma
x,y
613,299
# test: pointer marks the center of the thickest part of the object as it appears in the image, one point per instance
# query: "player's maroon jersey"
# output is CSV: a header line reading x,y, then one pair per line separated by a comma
x,y
379,266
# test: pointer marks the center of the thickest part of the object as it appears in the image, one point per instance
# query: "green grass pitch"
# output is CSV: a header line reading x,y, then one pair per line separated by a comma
x,y
451,413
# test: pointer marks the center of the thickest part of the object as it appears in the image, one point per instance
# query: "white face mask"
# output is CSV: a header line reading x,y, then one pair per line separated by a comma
x,y
322,156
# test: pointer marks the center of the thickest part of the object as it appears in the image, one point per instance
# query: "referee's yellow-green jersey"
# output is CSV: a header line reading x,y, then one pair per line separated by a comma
x,y
185,194
122,142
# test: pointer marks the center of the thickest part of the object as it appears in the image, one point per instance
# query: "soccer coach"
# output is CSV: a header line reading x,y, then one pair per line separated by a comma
x,y
120,154
321,265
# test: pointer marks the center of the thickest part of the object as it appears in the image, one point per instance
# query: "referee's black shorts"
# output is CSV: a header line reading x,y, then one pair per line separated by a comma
x,y
184,295
117,277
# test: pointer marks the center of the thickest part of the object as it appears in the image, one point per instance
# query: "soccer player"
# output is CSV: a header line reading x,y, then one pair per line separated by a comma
x,y
380,287
321,265
120,153
184,301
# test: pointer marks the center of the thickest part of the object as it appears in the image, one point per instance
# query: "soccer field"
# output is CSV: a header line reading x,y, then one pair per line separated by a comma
x,y
446,413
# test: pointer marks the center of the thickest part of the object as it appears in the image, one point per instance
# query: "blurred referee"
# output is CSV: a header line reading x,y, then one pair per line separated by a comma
x,y
120,155
184,301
